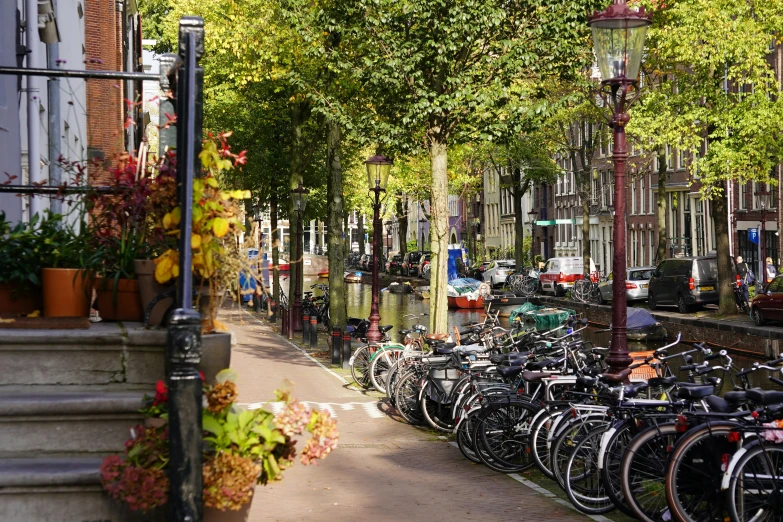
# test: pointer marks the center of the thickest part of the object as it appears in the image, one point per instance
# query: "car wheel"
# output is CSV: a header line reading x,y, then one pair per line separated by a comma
x,y
757,317
681,306
651,302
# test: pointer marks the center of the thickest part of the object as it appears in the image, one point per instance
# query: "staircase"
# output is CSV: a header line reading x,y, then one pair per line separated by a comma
x,y
68,398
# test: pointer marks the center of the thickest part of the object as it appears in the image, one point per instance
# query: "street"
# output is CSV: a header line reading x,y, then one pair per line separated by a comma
x,y
382,469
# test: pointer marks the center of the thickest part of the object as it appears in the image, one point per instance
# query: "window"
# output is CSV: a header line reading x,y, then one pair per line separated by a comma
x,y
642,205
642,250
650,194
743,192
633,199
681,160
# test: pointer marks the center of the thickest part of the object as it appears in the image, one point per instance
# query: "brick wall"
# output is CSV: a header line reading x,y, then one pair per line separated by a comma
x,y
103,46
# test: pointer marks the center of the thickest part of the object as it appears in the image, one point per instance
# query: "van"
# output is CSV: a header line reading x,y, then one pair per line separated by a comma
x,y
685,282
560,273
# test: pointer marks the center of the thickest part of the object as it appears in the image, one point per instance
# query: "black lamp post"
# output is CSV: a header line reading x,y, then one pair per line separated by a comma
x,y
763,196
421,227
388,237
532,219
618,39
378,168
299,197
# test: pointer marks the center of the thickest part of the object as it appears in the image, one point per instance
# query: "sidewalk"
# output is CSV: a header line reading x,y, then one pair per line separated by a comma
x,y
383,468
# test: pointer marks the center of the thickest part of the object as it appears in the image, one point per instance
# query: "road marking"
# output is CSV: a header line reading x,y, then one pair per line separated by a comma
x,y
303,352
276,407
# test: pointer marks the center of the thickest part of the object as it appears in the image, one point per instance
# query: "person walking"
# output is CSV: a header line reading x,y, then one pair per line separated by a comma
x,y
746,276
771,271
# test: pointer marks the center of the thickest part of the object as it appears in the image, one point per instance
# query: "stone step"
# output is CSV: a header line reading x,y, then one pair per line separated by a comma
x,y
67,423
57,490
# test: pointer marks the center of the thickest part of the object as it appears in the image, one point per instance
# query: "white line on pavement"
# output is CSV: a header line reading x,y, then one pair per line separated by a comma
x,y
370,408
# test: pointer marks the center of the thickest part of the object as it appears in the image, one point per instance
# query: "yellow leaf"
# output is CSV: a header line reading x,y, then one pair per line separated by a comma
x,y
36,313
220,226
212,182
167,220
163,270
175,270
176,215
195,241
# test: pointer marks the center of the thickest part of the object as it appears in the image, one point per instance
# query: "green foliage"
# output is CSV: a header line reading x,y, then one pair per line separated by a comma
x,y
23,250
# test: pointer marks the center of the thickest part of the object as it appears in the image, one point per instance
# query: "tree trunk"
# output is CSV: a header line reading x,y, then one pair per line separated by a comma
x,y
402,227
439,229
725,272
298,116
275,246
586,253
519,221
346,234
360,224
661,210
334,201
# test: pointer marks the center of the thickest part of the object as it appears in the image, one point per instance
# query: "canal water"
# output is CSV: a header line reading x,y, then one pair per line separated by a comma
x,y
394,307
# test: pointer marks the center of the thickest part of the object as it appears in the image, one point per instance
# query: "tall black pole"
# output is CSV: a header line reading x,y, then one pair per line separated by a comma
x,y
184,332
297,307
373,332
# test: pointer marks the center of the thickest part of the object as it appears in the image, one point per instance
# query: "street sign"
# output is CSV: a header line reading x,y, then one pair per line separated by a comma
x,y
753,235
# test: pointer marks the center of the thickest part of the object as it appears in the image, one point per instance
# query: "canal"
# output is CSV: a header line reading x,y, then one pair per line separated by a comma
x,y
394,307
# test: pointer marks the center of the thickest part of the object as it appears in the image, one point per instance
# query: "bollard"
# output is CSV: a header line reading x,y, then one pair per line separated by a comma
x,y
305,329
290,324
337,337
313,332
256,302
272,311
284,319
346,350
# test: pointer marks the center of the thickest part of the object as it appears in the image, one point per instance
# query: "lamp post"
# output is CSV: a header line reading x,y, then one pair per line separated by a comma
x,y
299,197
763,196
378,168
618,39
388,237
421,227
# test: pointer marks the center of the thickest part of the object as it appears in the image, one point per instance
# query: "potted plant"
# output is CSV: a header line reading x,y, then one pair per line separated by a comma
x,y
242,449
21,254
67,277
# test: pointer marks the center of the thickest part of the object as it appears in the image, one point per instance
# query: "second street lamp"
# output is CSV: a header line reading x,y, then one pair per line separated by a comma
x,y
299,197
378,168
618,39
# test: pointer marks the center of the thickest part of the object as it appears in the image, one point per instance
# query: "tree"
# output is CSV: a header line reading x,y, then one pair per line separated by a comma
x,y
444,71
708,78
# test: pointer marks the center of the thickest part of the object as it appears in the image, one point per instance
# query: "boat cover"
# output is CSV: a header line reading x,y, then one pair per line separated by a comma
x,y
639,318
545,318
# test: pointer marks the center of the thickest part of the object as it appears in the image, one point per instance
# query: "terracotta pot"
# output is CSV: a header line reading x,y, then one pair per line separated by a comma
x,y
122,305
150,289
66,292
19,299
216,515
215,355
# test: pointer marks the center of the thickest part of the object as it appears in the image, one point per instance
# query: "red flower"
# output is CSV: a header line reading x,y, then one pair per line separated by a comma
x,y
161,394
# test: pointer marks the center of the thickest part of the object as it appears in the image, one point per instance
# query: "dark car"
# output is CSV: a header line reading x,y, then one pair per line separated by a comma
x,y
393,265
424,261
685,282
768,304
410,262
477,271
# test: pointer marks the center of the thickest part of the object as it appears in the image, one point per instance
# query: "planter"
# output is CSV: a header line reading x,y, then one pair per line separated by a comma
x,y
215,354
66,292
121,302
149,290
216,515
19,299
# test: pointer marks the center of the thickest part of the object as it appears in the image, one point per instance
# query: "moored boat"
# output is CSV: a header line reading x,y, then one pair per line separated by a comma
x,y
465,302
505,304
353,277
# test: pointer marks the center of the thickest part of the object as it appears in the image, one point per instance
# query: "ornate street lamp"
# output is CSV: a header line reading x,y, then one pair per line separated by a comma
x,y
764,203
299,198
378,168
532,220
618,39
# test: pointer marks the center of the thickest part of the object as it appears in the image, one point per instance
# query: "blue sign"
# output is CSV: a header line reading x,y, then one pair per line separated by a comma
x,y
753,235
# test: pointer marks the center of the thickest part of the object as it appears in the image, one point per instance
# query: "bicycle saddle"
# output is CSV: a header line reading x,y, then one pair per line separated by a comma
x,y
615,378
764,397
633,390
699,392
509,371
535,376
662,381
386,328
445,348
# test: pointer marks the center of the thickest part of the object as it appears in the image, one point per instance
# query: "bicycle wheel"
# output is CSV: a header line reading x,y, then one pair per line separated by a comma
x,y
491,419
581,291
693,477
539,435
755,487
360,366
436,414
506,435
407,397
582,478
464,437
567,440
643,473
614,449
380,366
529,286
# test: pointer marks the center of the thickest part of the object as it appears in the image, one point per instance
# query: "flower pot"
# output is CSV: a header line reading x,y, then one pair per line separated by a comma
x,y
216,515
121,302
19,299
215,355
149,289
66,292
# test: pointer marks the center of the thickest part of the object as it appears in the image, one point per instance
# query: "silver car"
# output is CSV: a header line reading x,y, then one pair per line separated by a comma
x,y
497,271
637,282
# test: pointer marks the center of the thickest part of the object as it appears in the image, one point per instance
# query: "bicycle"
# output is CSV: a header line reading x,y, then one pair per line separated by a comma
x,y
586,290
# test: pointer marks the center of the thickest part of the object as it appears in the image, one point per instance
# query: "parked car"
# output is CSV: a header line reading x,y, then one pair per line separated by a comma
x,y
424,261
394,264
560,273
410,262
637,280
685,282
768,304
497,271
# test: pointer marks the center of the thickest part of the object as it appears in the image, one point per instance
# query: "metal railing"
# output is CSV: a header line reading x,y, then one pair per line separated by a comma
x,y
183,81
